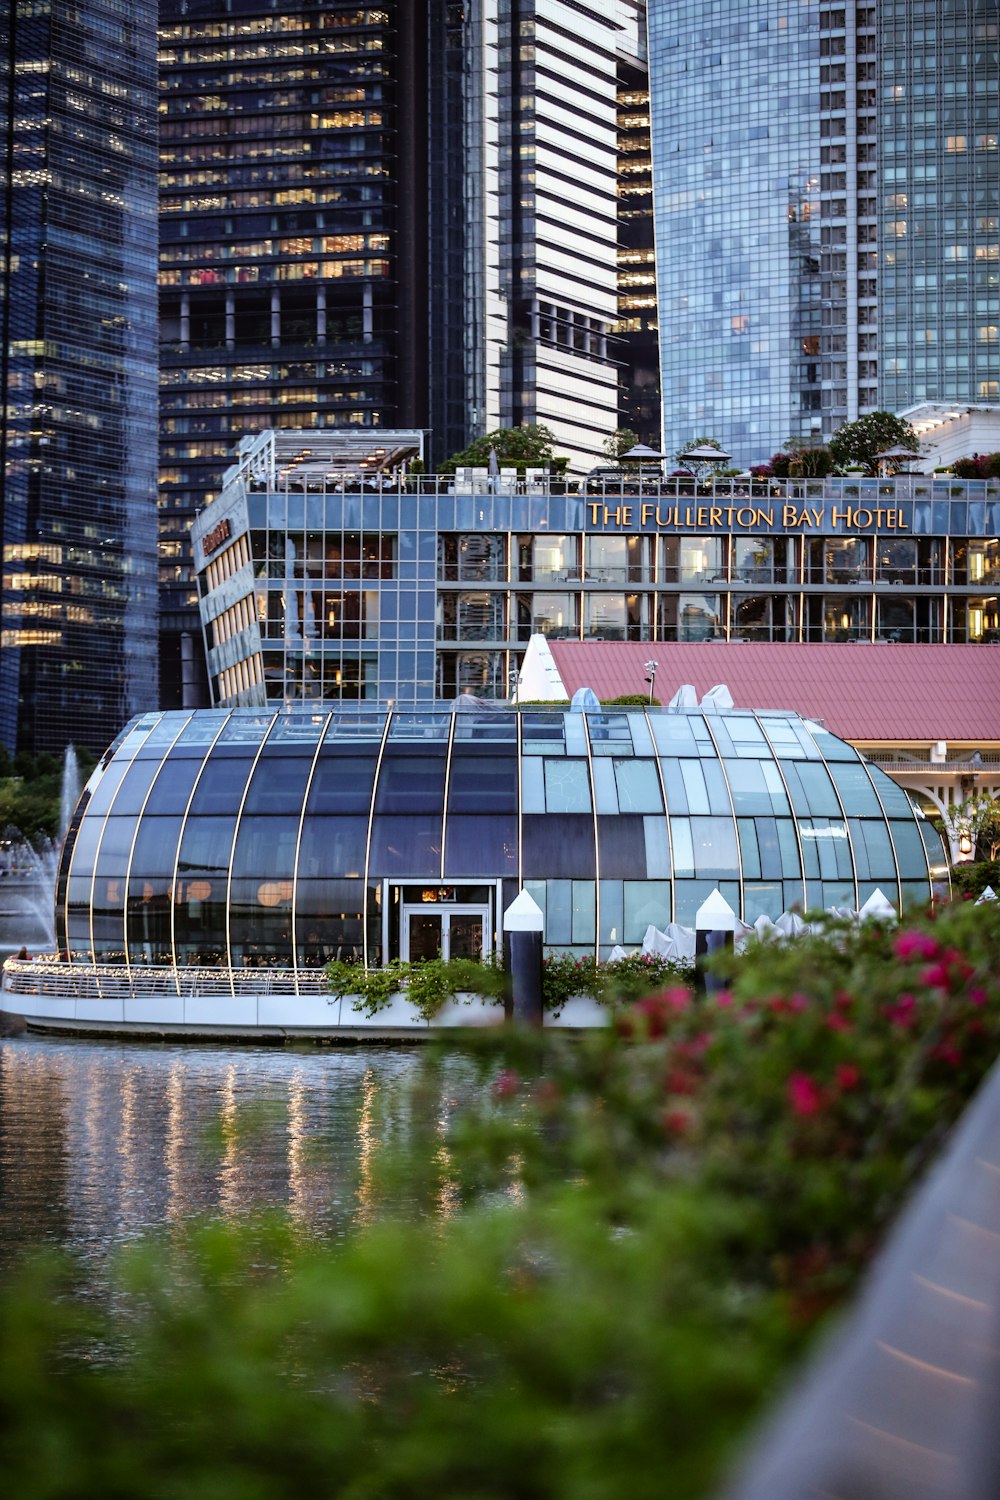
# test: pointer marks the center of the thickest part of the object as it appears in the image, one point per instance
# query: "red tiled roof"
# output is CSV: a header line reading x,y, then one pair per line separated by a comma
x,y
865,692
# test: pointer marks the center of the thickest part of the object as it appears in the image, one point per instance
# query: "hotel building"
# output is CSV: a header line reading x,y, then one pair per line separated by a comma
x,y
322,576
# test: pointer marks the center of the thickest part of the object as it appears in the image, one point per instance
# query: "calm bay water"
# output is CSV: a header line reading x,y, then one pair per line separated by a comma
x,y
101,1143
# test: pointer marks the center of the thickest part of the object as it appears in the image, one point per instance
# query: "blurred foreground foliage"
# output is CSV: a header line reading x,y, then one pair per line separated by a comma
x,y
608,1254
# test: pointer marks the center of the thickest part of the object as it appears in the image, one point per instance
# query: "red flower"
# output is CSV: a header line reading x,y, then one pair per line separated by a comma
x,y
908,945
977,996
847,1076
836,1022
678,1121
723,999
804,1094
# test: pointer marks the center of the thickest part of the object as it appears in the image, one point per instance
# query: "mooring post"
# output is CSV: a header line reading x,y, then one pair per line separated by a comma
x,y
714,928
522,924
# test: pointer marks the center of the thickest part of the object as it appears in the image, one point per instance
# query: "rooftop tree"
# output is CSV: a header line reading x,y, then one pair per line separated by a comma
x,y
860,443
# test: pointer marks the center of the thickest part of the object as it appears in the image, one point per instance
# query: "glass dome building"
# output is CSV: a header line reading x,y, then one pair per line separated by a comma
x,y
284,837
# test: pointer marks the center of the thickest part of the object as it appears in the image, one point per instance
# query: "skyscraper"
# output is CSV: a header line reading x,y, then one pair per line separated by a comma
x,y
827,200
403,217
293,275
542,146
77,370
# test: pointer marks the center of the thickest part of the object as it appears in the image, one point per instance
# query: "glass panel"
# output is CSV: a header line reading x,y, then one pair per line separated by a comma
x,y
465,935
480,845
657,847
638,786
584,911
646,903
278,784
612,913
106,788
909,850
265,847
341,784
533,785
425,935
746,782
477,782
410,783
605,786
333,848
171,791
856,790
156,847
558,845
406,846
622,845
558,911
220,788
567,786
694,786
714,845
132,792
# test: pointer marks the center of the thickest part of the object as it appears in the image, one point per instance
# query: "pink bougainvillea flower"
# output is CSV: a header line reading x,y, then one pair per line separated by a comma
x,y
797,1003
847,1076
977,996
844,1000
836,1022
907,945
935,976
804,1094
904,1012
947,1052
723,999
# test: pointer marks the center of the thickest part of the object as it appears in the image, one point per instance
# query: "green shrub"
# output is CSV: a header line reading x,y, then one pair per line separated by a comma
x,y
428,985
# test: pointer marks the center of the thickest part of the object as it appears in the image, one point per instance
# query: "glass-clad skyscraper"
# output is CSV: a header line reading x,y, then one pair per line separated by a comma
x,y
939,223
827,199
77,369
293,245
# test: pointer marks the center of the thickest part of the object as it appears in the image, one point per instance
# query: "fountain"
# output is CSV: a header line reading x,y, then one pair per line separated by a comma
x,y
28,875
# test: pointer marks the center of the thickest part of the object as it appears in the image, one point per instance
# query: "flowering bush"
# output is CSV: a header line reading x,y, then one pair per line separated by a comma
x,y
625,980
597,1265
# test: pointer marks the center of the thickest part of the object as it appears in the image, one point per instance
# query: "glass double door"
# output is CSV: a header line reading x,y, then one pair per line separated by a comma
x,y
448,931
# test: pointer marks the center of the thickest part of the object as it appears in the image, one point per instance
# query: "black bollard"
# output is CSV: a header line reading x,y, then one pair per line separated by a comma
x,y
523,922
714,929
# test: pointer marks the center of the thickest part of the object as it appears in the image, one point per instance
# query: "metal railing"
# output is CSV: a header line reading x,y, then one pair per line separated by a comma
x,y
77,981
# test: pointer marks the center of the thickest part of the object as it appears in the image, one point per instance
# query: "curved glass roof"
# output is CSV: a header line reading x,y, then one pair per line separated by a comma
x,y
288,836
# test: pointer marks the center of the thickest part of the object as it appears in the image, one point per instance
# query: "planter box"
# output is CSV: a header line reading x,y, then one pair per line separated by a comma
x,y
580,1011
398,1013
470,1010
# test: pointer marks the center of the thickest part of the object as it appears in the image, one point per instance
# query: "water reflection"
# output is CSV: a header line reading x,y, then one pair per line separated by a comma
x,y
102,1142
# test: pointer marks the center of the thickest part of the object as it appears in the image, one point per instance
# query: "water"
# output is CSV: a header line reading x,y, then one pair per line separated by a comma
x,y
69,794
28,876
101,1143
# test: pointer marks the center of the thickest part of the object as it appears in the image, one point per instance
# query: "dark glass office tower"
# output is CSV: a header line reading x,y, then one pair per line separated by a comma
x,y
293,261
77,370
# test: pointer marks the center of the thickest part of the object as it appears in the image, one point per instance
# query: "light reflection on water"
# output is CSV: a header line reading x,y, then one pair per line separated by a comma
x,y
103,1142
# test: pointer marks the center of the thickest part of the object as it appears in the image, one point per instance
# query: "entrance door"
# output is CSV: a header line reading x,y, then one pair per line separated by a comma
x,y
448,931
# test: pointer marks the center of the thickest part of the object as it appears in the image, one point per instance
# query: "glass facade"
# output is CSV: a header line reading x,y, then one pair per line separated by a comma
x,y
77,370
294,256
826,201
939,223
412,590
251,838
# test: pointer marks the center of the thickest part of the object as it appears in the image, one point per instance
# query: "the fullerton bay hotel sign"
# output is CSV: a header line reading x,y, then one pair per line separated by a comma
x,y
648,515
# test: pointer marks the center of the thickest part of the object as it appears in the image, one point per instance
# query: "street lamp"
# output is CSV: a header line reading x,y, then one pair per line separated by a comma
x,y
651,667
